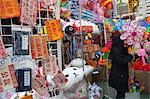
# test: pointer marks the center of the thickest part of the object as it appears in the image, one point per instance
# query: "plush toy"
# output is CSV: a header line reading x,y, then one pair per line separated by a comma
x,y
147,50
75,74
77,62
142,53
86,26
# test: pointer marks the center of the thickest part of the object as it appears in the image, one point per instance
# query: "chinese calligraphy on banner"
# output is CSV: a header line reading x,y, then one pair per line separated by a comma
x,y
21,40
7,78
40,84
54,30
50,65
39,46
24,79
9,9
2,49
60,79
29,12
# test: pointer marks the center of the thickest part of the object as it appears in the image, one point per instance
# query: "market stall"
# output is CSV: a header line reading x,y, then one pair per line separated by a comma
x,y
59,49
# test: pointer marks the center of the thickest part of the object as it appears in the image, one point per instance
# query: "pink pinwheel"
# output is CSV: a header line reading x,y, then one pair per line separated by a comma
x,y
133,33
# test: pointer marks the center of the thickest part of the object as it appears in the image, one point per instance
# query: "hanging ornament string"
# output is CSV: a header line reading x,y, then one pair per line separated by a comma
x,y
114,9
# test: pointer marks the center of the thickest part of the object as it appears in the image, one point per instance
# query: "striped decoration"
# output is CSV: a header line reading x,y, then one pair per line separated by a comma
x,y
86,14
114,9
144,8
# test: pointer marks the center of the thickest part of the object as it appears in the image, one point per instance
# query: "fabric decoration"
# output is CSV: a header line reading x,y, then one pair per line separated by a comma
x,y
86,13
28,12
7,78
9,9
39,46
50,65
21,40
60,79
133,33
2,49
24,80
54,30
40,84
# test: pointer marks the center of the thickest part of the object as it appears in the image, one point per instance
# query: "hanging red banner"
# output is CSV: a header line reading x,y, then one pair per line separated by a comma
x,y
2,49
9,9
7,78
29,12
39,46
50,65
60,79
54,30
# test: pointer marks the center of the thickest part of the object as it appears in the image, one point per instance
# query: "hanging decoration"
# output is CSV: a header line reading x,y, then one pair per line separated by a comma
x,y
7,78
29,12
40,85
133,4
115,9
47,3
133,33
63,3
39,46
107,7
2,49
9,9
24,80
50,66
60,79
21,40
54,30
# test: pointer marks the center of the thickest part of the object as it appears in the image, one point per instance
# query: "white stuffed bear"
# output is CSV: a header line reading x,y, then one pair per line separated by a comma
x,y
74,75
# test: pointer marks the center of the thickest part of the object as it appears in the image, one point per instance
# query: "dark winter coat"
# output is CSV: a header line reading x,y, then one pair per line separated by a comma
x,y
118,78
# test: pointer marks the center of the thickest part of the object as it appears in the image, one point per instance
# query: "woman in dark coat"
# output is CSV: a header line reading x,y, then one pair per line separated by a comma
x,y
119,71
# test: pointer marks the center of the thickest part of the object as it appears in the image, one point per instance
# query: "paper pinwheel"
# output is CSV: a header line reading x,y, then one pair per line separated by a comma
x,y
133,33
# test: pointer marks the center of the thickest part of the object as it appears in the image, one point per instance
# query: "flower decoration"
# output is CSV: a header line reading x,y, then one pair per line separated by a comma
x,y
133,33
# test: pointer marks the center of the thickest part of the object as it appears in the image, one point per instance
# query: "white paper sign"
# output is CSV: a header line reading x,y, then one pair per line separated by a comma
x,y
25,42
